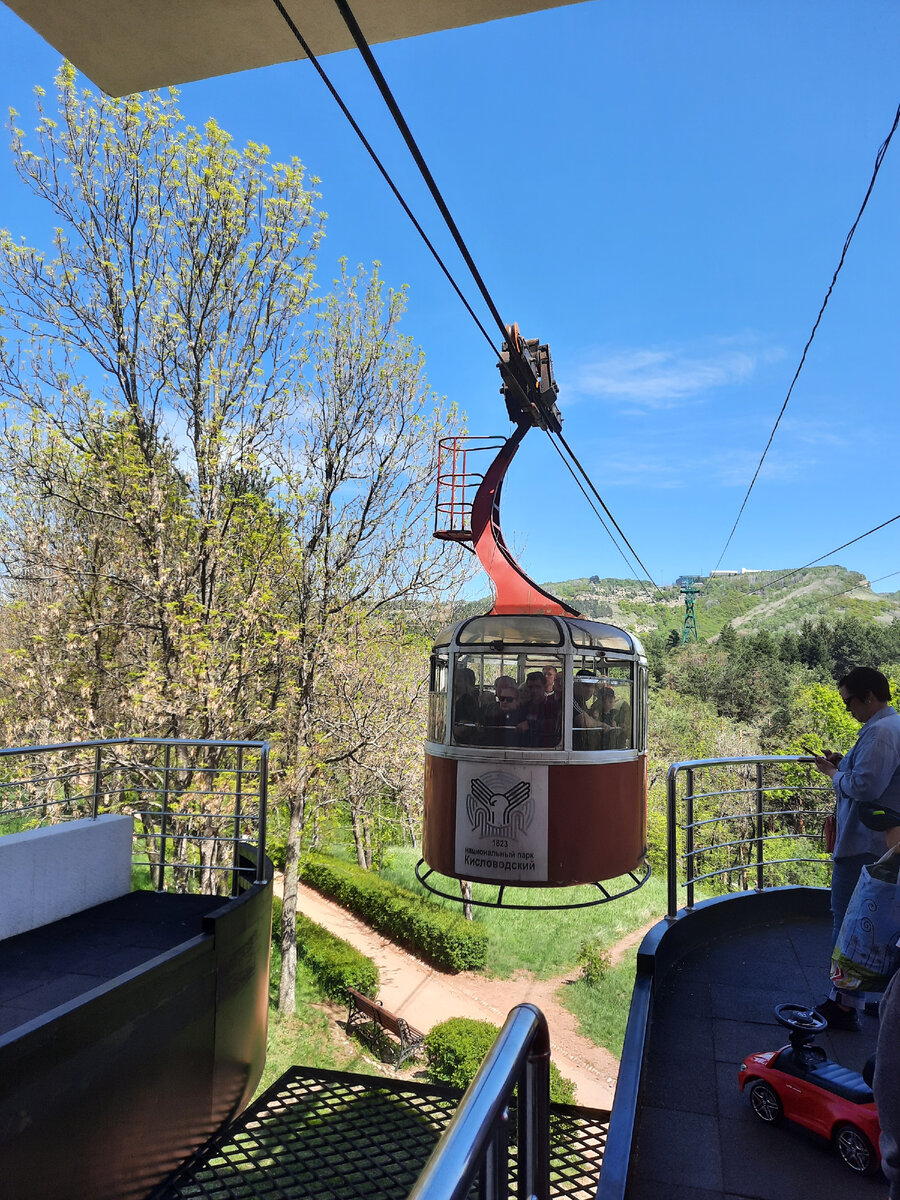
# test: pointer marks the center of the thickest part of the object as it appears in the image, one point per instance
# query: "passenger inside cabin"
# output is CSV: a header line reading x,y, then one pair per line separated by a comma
x,y
466,716
540,716
615,720
586,731
552,685
501,727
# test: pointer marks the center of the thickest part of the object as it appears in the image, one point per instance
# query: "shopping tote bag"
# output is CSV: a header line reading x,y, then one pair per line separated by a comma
x,y
866,954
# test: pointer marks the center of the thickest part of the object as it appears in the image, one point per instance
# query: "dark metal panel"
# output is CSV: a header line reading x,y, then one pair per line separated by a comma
x,y
105,1095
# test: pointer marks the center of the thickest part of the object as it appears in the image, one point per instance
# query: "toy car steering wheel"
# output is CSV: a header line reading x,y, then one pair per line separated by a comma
x,y
804,1020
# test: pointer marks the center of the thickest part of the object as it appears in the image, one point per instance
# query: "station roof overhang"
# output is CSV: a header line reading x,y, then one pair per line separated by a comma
x,y
126,46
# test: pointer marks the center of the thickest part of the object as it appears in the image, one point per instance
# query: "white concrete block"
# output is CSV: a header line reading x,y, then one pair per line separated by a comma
x,y
52,872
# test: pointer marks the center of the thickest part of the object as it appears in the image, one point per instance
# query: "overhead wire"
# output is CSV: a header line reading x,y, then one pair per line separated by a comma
x,y
846,592
879,158
319,69
394,109
827,554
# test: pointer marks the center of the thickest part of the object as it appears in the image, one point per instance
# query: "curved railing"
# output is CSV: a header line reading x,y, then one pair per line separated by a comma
x,y
475,1144
196,803
742,823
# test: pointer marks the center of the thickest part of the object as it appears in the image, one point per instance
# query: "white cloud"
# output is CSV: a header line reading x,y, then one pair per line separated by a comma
x,y
663,377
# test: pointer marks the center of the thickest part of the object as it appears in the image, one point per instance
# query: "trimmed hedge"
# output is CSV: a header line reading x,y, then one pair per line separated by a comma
x,y
455,1049
443,937
334,963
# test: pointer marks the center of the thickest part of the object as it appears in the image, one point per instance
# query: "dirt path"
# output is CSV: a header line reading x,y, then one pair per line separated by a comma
x,y
425,996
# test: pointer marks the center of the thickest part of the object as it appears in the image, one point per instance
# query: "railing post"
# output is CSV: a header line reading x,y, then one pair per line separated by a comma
x,y
98,779
164,822
760,873
493,1179
236,837
689,838
534,1122
672,842
263,804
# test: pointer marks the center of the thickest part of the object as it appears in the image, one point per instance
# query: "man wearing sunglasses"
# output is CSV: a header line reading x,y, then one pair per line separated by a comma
x,y
501,724
869,774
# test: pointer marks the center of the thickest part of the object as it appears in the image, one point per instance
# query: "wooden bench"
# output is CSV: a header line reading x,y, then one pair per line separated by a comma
x,y
364,1009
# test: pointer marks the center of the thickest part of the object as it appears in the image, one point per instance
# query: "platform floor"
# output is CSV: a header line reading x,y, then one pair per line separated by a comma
x,y
338,1136
697,1138
50,966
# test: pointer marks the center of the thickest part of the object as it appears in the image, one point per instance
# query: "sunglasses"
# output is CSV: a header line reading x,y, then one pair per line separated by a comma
x,y
508,699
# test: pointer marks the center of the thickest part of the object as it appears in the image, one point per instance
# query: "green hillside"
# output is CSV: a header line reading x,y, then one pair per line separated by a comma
x,y
778,601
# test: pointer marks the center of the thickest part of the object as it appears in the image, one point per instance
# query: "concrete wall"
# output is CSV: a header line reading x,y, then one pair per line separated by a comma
x,y
50,873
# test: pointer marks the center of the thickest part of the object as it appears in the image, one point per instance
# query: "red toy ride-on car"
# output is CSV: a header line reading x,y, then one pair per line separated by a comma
x,y
800,1082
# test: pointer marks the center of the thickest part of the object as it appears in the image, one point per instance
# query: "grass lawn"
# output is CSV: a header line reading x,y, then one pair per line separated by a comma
x,y
543,942
309,1038
602,1009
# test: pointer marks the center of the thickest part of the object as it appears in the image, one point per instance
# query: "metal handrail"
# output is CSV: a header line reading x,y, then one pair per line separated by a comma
x,y
757,812
476,1142
99,790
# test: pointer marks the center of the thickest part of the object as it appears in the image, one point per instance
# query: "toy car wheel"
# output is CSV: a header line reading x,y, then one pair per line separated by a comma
x,y
855,1150
765,1103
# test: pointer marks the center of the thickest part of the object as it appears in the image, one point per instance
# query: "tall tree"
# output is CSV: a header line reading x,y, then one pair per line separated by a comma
x,y
211,475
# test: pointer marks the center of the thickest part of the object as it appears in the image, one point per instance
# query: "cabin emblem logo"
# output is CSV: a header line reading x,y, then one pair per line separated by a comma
x,y
499,805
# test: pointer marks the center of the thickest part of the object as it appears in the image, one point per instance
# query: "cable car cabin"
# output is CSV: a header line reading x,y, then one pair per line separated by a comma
x,y
536,759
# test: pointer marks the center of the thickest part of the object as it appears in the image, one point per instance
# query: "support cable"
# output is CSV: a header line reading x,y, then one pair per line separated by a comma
x,y
596,512
878,161
387,95
369,58
587,479
827,554
382,84
845,592
381,168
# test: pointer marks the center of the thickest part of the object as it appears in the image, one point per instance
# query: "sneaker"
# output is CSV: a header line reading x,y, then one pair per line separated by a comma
x,y
837,1017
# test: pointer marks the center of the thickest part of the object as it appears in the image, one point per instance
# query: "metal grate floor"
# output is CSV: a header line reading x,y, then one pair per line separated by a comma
x,y
336,1136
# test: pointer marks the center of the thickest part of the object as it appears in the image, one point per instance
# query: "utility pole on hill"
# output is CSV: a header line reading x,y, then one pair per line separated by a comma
x,y
690,588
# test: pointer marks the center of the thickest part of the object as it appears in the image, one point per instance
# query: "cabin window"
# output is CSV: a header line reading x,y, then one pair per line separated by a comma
x,y
601,637
508,700
437,699
515,630
602,704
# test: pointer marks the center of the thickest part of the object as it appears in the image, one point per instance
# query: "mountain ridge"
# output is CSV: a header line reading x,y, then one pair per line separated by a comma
x,y
776,600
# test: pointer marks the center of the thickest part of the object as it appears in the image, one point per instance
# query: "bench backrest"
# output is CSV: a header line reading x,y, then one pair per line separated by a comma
x,y
376,1010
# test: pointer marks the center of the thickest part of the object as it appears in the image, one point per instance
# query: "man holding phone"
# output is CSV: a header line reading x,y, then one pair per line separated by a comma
x,y
867,775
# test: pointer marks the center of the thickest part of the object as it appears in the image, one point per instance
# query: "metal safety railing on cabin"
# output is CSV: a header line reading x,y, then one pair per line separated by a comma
x,y
476,1144
457,483
197,804
745,823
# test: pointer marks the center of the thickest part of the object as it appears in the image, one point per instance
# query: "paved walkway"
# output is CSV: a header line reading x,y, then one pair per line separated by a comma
x,y
426,996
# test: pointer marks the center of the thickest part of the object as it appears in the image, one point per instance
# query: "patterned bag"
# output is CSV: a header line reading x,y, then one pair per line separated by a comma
x,y
866,954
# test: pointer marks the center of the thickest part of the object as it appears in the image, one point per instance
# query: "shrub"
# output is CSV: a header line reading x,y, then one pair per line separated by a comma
x,y
594,962
334,964
455,1049
443,937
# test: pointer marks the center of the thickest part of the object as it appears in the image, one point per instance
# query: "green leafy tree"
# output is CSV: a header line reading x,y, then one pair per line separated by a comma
x,y
212,476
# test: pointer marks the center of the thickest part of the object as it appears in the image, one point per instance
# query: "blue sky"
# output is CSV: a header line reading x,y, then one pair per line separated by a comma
x,y
660,191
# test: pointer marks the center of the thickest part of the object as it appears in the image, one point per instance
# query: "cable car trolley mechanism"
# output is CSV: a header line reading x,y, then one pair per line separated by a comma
x,y
536,752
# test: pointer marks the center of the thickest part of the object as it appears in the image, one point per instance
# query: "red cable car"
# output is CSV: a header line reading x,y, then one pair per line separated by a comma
x,y
536,759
